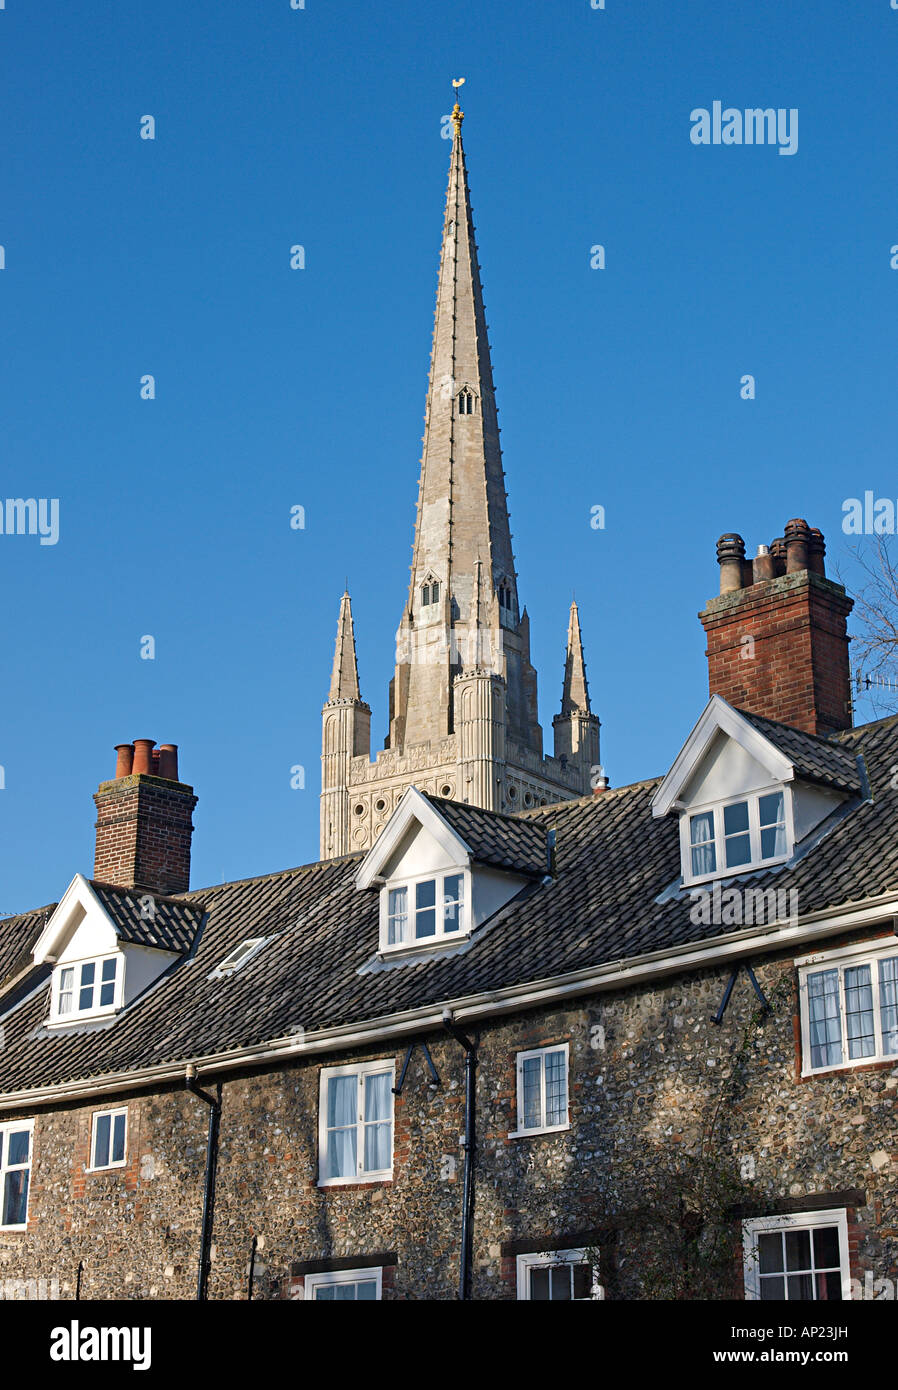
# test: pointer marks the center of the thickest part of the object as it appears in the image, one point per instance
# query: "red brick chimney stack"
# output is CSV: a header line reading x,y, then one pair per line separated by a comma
x,y
144,824
777,636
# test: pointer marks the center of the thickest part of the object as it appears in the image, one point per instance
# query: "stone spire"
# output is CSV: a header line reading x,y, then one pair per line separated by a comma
x,y
345,674
462,514
575,692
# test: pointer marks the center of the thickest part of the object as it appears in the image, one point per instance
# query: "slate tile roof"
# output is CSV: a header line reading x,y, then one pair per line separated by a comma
x,y
613,863
144,919
824,760
506,842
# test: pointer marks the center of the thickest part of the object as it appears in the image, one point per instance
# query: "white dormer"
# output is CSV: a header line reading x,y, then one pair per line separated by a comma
x,y
747,792
432,892
95,971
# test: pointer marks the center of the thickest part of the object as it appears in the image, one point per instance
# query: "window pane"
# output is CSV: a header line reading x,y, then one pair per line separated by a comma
x,y
377,1096
773,1289
366,1289
735,818
18,1145
86,992
829,1286
377,1148
67,977
770,1252
826,1247
341,1160
561,1283
531,1073
738,848
770,808
704,860
324,1293
824,1024
888,1004
15,1197
556,1088
425,908
397,924
342,1122
341,1101
539,1285
772,815
108,972
859,1011
801,1288
798,1249
582,1281
452,902
101,1141
118,1139
701,828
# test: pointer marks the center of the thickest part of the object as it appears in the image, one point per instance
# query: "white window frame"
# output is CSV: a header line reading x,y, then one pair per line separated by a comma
x,y
441,937
550,1258
93,1166
343,1276
716,808
238,957
359,1070
860,953
801,1221
522,1057
16,1127
76,1015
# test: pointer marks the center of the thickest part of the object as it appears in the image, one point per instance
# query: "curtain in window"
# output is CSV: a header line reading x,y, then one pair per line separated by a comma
x,y
378,1123
452,902
701,839
342,1122
772,815
888,1004
859,1011
398,916
824,1023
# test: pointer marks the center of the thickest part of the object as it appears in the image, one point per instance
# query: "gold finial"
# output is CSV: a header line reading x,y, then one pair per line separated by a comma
x,y
457,114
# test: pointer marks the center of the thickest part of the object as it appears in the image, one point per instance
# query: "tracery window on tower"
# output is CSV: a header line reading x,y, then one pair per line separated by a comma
x,y
506,597
466,401
430,592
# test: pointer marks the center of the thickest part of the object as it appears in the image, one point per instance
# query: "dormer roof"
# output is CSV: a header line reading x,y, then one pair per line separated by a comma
x,y
786,753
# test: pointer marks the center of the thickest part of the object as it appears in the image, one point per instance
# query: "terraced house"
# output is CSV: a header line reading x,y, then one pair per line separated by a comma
x,y
518,1035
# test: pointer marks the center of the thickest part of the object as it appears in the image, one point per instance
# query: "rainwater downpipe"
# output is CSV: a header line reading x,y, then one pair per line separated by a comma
x,y
467,1209
214,1104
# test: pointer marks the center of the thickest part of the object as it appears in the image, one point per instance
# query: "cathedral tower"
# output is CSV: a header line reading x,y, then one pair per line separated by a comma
x,y
463,700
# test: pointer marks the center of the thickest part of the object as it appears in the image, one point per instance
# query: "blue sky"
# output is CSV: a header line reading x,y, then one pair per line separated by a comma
x,y
277,388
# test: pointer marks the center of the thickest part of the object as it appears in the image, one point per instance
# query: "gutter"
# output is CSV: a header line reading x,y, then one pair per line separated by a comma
x,y
492,1003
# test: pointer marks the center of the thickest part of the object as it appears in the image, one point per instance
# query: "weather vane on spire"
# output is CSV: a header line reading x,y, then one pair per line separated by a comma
x,y
457,114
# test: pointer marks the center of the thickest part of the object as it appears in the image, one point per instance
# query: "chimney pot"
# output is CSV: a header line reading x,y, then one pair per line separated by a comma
x,y
763,564
143,756
816,551
778,551
124,759
730,557
168,761
796,534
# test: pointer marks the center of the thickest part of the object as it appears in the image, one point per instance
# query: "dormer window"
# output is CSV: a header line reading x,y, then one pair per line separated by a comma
x,y
426,909
86,988
466,402
735,835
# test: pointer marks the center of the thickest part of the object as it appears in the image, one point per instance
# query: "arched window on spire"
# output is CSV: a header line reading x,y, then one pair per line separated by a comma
x,y
466,402
430,592
506,599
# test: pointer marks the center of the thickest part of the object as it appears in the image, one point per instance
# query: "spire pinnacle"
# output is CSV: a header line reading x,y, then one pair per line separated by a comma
x,y
575,693
345,674
457,114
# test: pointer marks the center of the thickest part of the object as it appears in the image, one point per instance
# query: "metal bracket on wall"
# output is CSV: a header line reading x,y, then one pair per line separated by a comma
x,y
434,1075
718,1017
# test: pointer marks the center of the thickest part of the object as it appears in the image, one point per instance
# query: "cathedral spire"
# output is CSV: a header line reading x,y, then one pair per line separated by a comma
x,y
345,674
575,692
